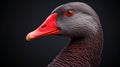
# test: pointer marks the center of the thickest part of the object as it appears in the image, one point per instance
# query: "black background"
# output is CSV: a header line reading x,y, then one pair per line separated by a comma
x,y
20,17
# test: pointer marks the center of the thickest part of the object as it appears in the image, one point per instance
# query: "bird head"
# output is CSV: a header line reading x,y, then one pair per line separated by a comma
x,y
72,20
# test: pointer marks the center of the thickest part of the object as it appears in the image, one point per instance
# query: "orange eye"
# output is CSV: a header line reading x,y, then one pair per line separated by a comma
x,y
69,13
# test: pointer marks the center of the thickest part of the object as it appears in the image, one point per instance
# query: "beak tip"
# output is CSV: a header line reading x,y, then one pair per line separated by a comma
x,y
28,37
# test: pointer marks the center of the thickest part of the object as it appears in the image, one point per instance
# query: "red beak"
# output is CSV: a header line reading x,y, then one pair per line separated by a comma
x,y
48,27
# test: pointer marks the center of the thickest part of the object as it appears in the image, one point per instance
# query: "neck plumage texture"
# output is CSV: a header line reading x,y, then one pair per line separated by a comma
x,y
80,53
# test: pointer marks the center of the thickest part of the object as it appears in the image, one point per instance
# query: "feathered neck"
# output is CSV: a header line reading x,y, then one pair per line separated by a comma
x,y
80,53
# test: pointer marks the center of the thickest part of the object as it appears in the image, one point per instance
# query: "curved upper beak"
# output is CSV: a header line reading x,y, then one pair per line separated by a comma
x,y
48,27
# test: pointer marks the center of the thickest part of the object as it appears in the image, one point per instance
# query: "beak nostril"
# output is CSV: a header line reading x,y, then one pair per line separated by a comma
x,y
44,26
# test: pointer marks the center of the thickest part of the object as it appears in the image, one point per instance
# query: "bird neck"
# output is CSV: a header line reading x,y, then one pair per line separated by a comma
x,y
80,53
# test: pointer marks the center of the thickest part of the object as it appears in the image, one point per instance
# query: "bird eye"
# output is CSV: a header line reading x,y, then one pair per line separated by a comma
x,y
69,13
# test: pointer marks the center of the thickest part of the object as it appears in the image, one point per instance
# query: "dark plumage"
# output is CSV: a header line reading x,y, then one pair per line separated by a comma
x,y
79,22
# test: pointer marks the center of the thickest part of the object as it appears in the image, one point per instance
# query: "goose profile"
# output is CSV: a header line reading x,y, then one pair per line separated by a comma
x,y
81,24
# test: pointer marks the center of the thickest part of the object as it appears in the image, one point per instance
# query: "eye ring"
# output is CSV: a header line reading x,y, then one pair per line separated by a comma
x,y
69,13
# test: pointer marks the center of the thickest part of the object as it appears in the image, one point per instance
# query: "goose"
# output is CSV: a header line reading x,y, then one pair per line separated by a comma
x,y
79,22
